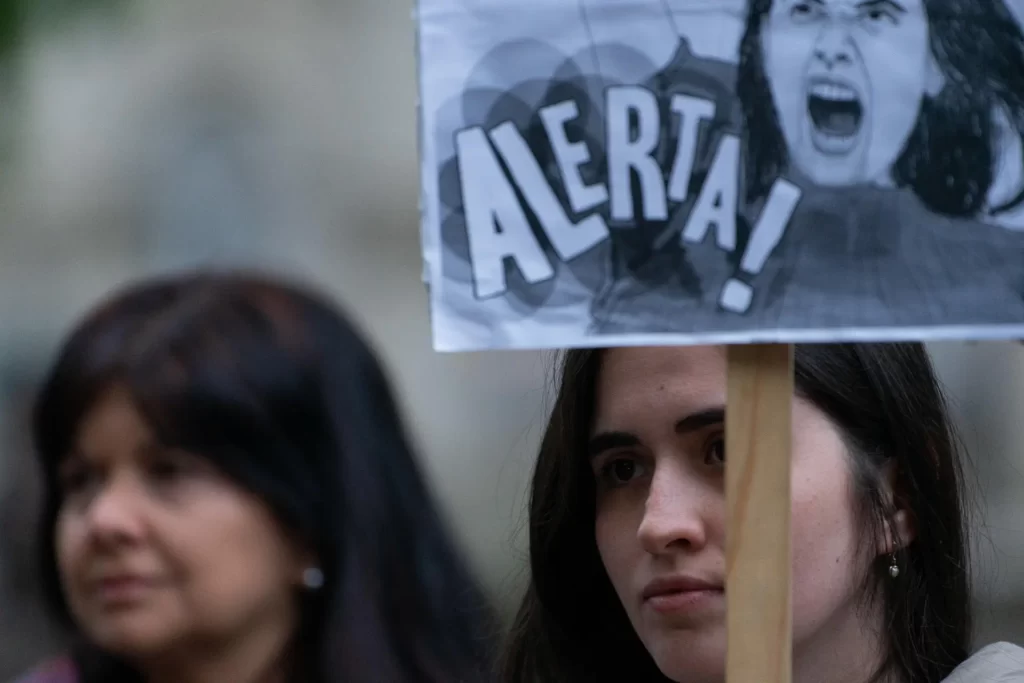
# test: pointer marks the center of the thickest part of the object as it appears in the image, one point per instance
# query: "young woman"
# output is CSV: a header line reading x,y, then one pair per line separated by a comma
x,y
230,496
627,546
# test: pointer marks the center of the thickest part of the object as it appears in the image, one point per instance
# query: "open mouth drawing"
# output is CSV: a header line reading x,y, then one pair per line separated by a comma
x,y
836,114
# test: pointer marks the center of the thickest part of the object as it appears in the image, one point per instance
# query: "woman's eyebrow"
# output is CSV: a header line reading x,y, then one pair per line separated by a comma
x,y
879,4
699,420
71,459
606,441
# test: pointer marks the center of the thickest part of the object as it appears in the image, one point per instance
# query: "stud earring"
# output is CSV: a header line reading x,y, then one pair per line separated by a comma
x,y
313,578
894,569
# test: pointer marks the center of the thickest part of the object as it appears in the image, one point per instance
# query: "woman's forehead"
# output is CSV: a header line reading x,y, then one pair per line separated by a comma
x,y
113,418
637,381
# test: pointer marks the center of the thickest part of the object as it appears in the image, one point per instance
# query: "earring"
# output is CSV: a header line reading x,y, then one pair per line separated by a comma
x,y
894,569
313,578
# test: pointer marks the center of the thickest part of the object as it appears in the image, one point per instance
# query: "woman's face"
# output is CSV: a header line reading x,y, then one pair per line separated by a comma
x,y
657,452
158,552
848,78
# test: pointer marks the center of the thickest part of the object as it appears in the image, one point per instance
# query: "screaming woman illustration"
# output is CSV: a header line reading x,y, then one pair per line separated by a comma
x,y
902,122
920,94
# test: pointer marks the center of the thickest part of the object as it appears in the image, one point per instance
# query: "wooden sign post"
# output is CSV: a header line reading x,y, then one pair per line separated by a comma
x,y
757,474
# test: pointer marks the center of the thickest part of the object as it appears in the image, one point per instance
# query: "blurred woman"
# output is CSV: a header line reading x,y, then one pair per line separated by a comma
x,y
627,524
231,496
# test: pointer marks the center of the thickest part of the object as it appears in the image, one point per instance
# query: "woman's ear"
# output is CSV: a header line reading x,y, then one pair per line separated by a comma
x,y
934,79
900,529
899,532
305,567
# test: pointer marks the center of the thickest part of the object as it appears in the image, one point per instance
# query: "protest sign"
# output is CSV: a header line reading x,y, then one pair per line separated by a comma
x,y
614,172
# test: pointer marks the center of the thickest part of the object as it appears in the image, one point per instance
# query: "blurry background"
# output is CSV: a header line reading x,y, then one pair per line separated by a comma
x,y
140,135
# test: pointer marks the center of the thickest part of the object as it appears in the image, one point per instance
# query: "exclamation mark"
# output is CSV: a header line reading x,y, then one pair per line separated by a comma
x,y
737,295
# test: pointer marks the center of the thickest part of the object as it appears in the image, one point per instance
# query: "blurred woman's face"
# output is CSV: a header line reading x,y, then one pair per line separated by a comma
x,y
657,450
159,553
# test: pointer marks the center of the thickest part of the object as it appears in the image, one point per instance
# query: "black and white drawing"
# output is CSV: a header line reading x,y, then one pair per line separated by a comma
x,y
602,172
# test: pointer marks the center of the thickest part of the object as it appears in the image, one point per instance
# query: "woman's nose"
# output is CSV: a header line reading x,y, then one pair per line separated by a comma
x,y
114,514
833,48
675,515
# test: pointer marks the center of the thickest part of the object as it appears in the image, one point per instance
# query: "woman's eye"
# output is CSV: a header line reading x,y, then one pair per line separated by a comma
x,y
715,453
170,469
878,15
803,11
621,471
73,480
165,470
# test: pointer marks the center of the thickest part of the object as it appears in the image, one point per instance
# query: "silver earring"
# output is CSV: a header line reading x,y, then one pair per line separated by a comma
x,y
313,578
894,569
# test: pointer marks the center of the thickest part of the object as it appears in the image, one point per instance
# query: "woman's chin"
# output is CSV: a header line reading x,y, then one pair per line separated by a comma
x,y
693,672
132,641
690,658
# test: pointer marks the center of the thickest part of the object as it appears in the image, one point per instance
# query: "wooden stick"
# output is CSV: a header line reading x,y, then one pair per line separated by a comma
x,y
757,474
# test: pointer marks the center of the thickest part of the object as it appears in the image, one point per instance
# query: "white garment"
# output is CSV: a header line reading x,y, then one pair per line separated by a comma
x,y
996,663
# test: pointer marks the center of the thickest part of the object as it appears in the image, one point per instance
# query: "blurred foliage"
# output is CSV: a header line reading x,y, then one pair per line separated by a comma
x,y
19,17
11,25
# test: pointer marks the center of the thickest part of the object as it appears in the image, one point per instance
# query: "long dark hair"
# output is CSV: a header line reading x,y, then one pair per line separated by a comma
x,y
951,157
273,385
887,404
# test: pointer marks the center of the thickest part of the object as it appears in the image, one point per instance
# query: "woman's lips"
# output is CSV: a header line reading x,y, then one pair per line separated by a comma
x,y
122,590
680,594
